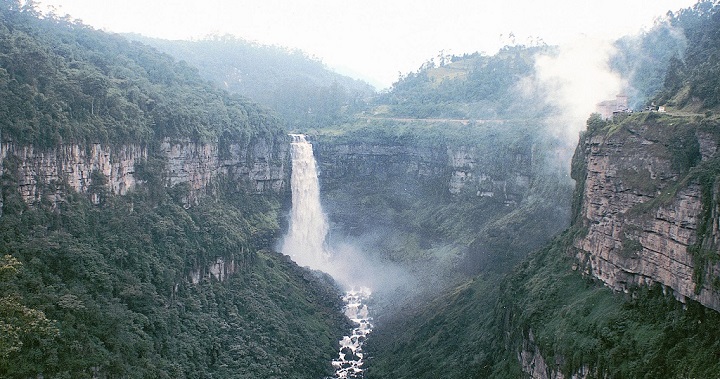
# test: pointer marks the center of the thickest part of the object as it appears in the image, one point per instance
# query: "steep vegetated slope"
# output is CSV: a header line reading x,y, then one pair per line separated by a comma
x,y
629,290
135,219
301,89
643,226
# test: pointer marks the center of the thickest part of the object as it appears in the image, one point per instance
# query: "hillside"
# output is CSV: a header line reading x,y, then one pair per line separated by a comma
x,y
140,202
138,206
301,89
473,86
68,83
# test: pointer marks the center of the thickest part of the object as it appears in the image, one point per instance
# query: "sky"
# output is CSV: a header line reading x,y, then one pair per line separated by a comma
x,y
375,40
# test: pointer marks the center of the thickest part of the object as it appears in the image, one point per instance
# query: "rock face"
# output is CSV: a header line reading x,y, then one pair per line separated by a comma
x,y
43,173
536,366
259,167
469,175
458,170
642,211
356,179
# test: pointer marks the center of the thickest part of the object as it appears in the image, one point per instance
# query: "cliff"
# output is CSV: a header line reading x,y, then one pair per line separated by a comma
x,y
643,206
411,171
462,169
45,173
600,300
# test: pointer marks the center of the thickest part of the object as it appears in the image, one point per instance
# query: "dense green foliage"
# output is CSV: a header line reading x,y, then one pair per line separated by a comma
x,y
301,89
695,76
116,281
17,321
123,288
581,324
475,86
65,82
476,330
449,336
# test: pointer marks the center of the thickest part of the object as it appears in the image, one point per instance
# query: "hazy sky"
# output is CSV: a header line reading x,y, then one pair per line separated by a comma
x,y
373,39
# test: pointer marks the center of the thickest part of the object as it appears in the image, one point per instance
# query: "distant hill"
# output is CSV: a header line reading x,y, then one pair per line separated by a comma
x,y
472,86
301,89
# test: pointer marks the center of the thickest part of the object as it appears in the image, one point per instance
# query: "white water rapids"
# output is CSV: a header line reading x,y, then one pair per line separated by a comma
x,y
305,244
350,360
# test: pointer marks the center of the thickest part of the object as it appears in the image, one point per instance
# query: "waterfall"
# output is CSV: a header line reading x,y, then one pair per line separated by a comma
x,y
305,244
305,241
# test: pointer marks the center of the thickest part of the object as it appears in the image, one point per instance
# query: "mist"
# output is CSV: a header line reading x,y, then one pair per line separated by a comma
x,y
573,80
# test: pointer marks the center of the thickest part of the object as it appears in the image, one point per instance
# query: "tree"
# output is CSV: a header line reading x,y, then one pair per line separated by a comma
x,y
17,322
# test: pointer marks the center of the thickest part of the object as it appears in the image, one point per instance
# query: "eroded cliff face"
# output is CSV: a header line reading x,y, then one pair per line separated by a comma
x,y
642,207
470,175
259,167
43,174
456,170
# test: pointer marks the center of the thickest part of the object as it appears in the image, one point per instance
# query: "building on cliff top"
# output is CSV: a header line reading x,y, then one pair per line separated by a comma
x,y
608,108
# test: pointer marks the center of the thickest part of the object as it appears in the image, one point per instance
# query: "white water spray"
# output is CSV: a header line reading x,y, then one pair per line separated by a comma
x,y
305,241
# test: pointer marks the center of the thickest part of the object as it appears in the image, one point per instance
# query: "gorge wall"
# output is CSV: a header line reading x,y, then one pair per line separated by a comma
x,y
43,173
409,172
459,170
648,215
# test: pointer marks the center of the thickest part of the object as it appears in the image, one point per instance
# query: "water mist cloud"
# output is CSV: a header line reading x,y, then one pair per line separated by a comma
x,y
573,80
351,266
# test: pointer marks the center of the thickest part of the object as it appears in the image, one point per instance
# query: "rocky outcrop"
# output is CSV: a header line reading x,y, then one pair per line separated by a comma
x,y
536,366
259,167
641,210
469,174
42,174
220,270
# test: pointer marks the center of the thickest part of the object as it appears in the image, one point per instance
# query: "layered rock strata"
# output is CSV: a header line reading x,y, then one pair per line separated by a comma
x,y
44,173
459,170
642,213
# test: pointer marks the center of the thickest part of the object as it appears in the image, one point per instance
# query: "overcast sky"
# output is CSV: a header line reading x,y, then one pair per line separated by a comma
x,y
374,39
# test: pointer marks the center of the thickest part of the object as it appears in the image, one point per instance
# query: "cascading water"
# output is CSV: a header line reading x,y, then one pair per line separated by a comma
x,y
305,241
349,363
305,244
